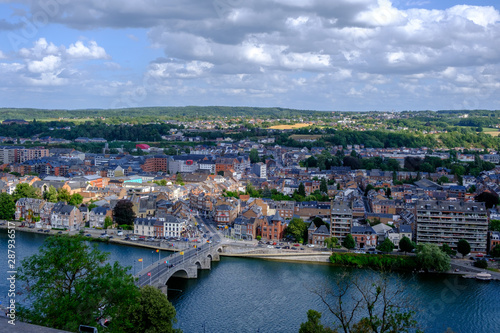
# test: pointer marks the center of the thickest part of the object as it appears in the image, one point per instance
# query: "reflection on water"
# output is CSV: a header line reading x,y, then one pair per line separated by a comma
x,y
246,295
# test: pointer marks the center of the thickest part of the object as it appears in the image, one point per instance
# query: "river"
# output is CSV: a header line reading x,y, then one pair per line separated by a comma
x,y
249,295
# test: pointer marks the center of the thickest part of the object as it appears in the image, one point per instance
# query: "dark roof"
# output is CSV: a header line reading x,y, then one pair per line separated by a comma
x,y
322,230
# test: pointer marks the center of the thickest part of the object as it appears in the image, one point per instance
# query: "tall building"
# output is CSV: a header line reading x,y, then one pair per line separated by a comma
x,y
341,219
446,222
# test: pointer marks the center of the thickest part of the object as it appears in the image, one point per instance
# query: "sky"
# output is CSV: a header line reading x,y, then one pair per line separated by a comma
x,y
332,55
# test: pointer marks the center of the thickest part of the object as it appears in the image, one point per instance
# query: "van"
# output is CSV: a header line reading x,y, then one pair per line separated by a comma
x,y
120,233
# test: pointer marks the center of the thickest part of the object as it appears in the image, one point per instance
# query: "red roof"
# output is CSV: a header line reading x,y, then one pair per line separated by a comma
x,y
142,146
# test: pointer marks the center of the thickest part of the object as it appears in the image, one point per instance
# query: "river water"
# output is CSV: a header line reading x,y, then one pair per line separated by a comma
x,y
248,295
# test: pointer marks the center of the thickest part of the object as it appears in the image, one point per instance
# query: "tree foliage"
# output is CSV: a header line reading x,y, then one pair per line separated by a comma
x,y
25,190
463,247
386,246
349,242
63,195
495,252
313,324
297,228
406,245
123,212
430,257
7,206
75,199
153,313
51,194
69,283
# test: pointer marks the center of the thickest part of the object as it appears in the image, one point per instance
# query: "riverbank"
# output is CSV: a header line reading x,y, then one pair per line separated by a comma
x,y
459,267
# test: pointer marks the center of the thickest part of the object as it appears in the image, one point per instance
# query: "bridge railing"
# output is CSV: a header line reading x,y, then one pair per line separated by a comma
x,y
153,272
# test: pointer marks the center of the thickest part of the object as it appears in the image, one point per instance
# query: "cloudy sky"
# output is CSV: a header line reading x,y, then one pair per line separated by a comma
x,y
351,55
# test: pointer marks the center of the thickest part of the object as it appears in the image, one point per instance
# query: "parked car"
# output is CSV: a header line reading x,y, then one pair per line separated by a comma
x,y
48,230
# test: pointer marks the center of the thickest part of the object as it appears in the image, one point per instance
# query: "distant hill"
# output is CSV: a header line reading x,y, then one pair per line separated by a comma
x,y
160,112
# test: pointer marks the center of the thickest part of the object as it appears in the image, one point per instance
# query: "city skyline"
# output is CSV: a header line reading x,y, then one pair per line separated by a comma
x,y
311,54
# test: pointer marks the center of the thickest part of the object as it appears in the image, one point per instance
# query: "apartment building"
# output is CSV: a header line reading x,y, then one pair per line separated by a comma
x,y
341,220
446,222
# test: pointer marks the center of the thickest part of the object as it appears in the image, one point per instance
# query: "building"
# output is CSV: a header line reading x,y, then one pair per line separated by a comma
x,y
341,220
173,226
364,236
28,209
318,235
145,226
273,228
396,234
157,163
493,239
65,216
446,222
225,214
260,169
97,216
27,154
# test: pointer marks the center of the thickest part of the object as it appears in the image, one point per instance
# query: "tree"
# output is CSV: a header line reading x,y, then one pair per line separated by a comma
x,y
297,228
7,206
108,222
76,199
463,247
349,242
495,252
490,200
301,190
124,213
313,323
63,195
152,312
69,283
25,190
443,179
254,156
377,302
179,180
406,245
482,263
51,194
323,186
448,250
430,257
494,225
332,242
386,246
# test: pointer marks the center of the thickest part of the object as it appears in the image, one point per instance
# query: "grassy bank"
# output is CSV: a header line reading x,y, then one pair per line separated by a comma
x,y
375,261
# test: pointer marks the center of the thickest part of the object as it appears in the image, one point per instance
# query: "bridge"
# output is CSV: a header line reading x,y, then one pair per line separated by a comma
x,y
184,264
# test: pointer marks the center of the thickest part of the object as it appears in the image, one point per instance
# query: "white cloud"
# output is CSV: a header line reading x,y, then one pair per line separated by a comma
x,y
93,51
296,53
49,63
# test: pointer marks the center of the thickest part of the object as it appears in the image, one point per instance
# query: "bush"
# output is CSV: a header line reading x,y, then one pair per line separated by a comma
x,y
481,263
374,261
258,238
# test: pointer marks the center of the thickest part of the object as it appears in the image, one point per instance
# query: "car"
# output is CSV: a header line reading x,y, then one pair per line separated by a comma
x,y
296,244
302,248
110,237
40,230
310,245
278,247
119,233
270,247
286,247
88,235
32,226
48,230
60,232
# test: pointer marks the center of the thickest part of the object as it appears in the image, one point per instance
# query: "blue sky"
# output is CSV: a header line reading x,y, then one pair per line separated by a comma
x,y
350,55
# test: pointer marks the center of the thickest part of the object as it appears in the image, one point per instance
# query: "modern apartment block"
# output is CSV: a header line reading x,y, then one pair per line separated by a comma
x,y
446,222
341,221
